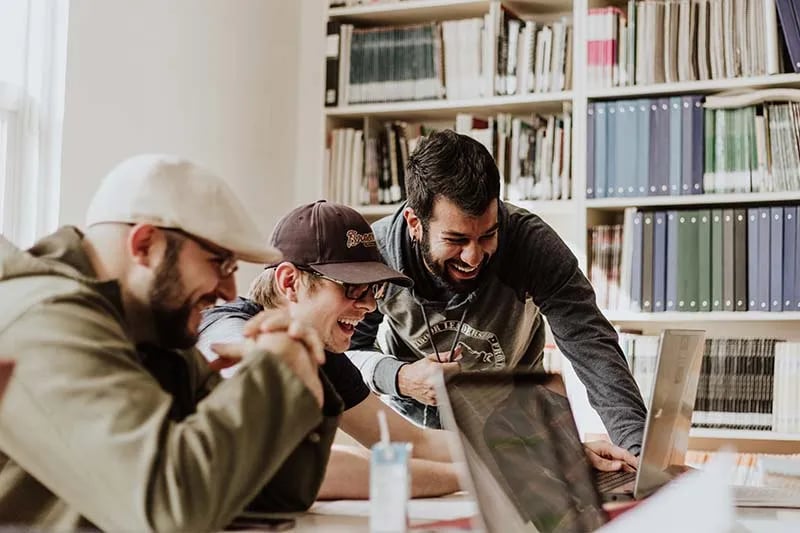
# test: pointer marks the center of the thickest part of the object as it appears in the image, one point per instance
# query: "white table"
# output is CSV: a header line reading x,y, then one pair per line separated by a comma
x,y
756,520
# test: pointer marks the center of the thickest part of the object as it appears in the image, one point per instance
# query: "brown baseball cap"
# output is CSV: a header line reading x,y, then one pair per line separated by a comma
x,y
335,241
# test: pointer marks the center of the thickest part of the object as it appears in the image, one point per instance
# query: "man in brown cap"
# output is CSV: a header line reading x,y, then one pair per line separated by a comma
x,y
331,276
113,420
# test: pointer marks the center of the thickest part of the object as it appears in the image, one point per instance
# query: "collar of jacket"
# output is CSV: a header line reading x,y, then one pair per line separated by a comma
x,y
62,254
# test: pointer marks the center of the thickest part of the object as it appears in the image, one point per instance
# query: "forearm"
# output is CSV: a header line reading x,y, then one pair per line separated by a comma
x,y
591,345
433,445
347,476
378,370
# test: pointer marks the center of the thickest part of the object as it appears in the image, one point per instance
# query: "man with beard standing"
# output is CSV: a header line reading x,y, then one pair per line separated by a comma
x,y
114,420
485,274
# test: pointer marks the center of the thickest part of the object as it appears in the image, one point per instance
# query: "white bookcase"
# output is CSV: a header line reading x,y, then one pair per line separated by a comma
x,y
571,218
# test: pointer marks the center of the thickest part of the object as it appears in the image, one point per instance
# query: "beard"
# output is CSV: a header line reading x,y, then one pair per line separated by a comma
x,y
171,324
439,269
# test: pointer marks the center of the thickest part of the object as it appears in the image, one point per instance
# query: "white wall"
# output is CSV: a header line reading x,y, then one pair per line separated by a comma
x,y
214,80
310,117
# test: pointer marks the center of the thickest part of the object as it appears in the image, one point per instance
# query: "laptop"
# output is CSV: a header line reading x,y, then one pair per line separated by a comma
x,y
525,461
669,419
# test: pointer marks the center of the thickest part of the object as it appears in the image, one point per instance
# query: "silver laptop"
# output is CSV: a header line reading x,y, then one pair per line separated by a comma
x,y
525,461
669,418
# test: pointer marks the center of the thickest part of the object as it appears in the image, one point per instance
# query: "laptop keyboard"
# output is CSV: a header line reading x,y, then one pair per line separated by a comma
x,y
605,481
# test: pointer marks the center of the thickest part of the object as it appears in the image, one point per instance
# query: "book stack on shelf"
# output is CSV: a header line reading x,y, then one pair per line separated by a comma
x,y
751,142
371,170
498,54
669,41
645,147
745,383
533,155
731,143
695,260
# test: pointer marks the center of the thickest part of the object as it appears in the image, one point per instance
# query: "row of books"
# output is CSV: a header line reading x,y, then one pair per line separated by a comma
x,y
668,41
498,54
645,147
737,387
753,148
369,168
680,145
533,154
755,469
725,259
751,141
530,56
383,64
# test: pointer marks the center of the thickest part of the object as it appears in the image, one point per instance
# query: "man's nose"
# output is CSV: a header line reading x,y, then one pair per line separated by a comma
x,y
367,302
472,254
226,290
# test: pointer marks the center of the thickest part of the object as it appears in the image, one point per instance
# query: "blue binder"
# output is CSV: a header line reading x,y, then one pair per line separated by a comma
x,y
776,259
789,251
675,145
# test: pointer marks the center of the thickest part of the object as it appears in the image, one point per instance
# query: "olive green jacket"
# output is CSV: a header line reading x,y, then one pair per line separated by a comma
x,y
97,431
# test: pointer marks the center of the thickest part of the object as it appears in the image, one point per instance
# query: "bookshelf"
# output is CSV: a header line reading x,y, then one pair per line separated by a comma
x,y
574,216
765,317
444,109
698,87
615,204
410,11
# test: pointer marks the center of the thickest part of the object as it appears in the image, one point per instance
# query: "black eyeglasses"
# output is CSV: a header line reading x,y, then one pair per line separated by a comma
x,y
226,262
353,291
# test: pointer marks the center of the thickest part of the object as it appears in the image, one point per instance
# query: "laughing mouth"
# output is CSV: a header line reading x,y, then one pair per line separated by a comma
x,y
348,324
465,269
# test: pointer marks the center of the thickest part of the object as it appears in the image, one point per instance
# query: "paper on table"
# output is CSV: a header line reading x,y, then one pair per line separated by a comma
x,y
418,509
697,501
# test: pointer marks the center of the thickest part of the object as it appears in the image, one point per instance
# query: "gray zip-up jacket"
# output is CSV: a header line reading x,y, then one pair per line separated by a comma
x,y
532,275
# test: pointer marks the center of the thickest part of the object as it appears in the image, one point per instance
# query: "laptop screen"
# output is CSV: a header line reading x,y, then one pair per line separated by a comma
x,y
522,434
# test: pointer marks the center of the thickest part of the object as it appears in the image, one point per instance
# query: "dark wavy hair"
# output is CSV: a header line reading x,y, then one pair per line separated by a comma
x,y
454,166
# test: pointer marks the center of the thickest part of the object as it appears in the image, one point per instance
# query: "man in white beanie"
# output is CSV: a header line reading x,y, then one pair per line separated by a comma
x,y
114,419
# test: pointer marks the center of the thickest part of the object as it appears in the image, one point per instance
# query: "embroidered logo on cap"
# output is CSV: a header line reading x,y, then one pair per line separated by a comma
x,y
355,238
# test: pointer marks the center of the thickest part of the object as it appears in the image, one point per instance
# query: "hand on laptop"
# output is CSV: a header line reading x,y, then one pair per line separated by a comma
x,y
606,456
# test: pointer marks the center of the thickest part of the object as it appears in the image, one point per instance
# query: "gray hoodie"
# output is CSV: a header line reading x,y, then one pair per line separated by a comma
x,y
532,275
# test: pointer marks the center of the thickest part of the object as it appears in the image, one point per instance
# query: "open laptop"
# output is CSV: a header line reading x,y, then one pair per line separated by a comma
x,y
526,464
669,418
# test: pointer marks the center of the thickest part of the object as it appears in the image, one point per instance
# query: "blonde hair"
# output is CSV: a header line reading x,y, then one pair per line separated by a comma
x,y
264,291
